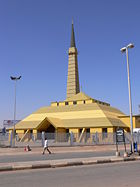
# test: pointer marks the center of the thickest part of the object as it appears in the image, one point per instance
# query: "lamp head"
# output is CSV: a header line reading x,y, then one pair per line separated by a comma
x,y
15,78
123,49
130,45
19,77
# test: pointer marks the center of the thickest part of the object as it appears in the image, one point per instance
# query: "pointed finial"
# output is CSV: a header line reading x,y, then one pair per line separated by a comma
x,y
72,21
81,87
72,44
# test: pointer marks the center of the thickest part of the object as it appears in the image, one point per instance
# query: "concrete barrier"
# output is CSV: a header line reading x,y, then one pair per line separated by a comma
x,y
63,163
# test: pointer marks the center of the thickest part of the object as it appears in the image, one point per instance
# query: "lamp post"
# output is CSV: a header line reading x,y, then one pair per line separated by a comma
x,y
15,79
125,49
139,108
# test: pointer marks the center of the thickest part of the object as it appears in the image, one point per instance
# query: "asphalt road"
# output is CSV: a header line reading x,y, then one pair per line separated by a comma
x,y
53,156
102,175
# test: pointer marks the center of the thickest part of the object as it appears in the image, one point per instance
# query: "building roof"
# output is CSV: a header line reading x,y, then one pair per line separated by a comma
x,y
73,116
126,116
78,97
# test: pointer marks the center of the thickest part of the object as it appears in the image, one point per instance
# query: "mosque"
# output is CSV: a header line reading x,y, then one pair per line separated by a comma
x,y
78,113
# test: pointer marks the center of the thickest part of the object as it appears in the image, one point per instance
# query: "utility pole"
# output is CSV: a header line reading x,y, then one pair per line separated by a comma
x,y
15,79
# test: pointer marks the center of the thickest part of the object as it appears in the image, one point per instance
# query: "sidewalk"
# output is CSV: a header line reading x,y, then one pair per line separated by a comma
x,y
36,150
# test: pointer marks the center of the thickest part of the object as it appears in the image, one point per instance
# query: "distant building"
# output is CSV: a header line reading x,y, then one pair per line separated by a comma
x,y
79,113
136,120
9,123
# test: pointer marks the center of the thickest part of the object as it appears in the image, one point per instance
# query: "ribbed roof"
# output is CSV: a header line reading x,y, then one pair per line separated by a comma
x,y
78,97
73,116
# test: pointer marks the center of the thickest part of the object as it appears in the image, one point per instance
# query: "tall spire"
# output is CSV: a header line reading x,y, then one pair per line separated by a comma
x,y
73,75
72,44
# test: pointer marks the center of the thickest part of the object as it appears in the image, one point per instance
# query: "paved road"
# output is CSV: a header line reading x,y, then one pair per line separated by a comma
x,y
102,175
54,156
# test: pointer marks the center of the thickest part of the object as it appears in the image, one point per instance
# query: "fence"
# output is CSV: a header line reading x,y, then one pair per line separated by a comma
x,y
4,139
64,139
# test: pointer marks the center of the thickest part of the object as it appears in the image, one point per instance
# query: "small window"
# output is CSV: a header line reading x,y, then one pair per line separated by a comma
x,y
74,102
67,134
87,134
66,103
80,130
104,132
88,130
67,131
84,101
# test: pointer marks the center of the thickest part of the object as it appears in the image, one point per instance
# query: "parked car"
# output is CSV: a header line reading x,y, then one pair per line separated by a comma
x,y
136,130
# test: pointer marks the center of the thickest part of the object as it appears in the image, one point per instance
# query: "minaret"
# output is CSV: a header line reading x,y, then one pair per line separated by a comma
x,y
73,76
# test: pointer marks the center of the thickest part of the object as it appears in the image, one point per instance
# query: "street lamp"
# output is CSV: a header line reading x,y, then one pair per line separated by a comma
x,y
15,79
125,49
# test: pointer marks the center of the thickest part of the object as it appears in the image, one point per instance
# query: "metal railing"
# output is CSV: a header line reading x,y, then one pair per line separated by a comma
x,y
4,140
64,139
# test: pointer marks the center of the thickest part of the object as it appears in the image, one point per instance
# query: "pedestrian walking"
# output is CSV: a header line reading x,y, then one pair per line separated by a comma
x,y
46,147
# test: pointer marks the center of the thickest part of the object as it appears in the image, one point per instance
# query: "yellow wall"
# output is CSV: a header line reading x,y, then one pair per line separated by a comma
x,y
20,133
35,133
70,102
127,129
88,101
80,102
62,104
137,122
74,130
60,130
94,130
99,130
60,136
110,130
134,122
53,104
10,131
126,120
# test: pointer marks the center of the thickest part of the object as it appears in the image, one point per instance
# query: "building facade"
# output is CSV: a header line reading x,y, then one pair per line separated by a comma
x,y
79,113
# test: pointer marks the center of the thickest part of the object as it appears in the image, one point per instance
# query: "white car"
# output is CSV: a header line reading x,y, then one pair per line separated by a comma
x,y
136,130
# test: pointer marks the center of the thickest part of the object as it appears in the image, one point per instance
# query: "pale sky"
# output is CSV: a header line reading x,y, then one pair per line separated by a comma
x,y
34,40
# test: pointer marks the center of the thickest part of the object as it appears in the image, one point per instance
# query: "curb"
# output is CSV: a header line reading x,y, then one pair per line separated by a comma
x,y
6,168
63,163
103,161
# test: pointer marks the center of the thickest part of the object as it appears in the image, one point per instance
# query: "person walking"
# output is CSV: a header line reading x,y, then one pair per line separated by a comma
x,y
46,147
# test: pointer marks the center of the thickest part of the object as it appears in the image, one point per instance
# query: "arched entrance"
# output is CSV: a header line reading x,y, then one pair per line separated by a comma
x,y
50,129
50,132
